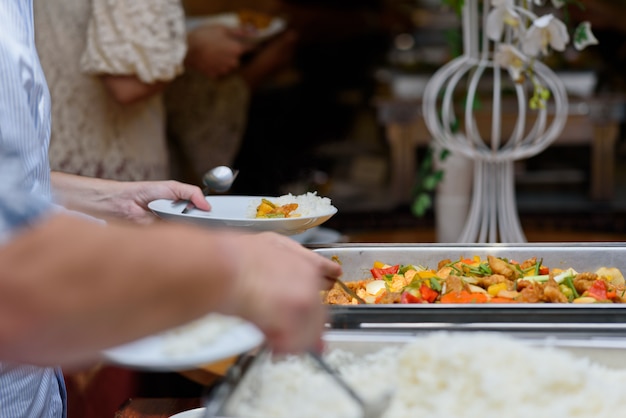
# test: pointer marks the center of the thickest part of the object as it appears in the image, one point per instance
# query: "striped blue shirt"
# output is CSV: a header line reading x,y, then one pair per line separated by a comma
x,y
25,391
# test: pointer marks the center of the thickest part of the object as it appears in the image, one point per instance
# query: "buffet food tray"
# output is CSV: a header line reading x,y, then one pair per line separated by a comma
x,y
557,318
241,377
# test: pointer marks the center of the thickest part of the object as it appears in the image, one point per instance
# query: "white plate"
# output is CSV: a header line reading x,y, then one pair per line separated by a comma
x,y
157,354
234,211
192,413
231,20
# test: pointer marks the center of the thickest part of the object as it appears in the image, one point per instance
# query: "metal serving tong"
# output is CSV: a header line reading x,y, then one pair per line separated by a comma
x,y
214,399
344,286
370,409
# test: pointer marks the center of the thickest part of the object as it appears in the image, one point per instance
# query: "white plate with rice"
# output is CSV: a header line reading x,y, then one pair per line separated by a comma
x,y
240,211
207,340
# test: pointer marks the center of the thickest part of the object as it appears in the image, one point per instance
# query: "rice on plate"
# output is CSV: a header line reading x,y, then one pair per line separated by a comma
x,y
196,335
309,205
446,375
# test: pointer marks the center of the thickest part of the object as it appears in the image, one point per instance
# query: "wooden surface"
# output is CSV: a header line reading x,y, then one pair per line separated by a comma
x,y
597,126
208,374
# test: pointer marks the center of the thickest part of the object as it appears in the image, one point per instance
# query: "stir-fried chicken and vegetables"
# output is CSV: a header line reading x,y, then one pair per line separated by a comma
x,y
269,209
477,280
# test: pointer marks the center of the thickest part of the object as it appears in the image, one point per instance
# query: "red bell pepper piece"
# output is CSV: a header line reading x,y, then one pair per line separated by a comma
x,y
408,297
598,290
424,295
379,273
428,294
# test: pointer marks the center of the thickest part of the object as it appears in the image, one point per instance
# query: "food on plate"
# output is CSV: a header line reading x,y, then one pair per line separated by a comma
x,y
253,19
268,209
290,206
196,335
464,375
483,280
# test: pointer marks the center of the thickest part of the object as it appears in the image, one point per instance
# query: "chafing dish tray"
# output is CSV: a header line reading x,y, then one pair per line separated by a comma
x,y
248,380
599,319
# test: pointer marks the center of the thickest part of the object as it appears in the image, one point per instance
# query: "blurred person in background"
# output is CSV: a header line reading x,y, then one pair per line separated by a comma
x,y
107,64
71,286
207,116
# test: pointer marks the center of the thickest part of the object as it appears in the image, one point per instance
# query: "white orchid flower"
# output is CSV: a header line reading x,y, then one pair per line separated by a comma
x,y
511,58
503,13
583,37
545,31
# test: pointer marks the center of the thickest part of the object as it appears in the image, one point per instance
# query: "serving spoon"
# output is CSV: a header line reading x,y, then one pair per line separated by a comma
x,y
218,179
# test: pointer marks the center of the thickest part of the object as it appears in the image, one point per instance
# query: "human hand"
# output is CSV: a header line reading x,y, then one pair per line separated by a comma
x,y
215,50
277,286
129,200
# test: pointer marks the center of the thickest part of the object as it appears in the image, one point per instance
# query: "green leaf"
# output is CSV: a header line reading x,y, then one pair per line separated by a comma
x,y
421,204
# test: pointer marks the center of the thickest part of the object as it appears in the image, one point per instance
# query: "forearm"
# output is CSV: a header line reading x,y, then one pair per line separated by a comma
x,y
102,286
130,89
84,194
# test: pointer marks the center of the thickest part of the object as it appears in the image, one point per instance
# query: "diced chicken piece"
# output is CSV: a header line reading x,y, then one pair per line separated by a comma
x,y
444,272
583,281
390,297
455,284
494,279
500,266
529,292
552,293
398,282
443,263
528,263
337,296
409,274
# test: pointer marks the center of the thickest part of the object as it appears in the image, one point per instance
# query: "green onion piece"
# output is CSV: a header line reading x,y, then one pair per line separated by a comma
x,y
567,291
569,282
537,278
570,272
434,284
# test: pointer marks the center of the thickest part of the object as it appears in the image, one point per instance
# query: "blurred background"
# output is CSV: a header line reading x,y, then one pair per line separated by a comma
x,y
344,117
